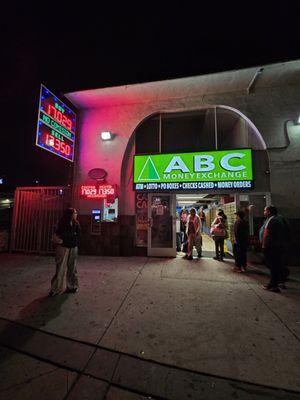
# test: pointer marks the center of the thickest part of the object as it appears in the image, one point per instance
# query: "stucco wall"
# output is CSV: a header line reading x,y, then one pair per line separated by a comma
x,y
270,109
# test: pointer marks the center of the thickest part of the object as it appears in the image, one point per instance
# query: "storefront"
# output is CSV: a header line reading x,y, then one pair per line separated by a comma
x,y
229,136
210,173
211,178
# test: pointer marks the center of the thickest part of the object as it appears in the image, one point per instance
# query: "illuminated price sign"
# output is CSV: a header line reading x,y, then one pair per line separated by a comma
x,y
56,126
98,191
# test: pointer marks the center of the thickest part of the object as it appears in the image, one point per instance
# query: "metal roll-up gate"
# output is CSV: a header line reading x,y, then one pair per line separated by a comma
x,y
36,212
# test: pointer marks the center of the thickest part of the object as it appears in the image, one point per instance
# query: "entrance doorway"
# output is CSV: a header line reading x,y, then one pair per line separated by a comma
x,y
204,205
162,226
165,230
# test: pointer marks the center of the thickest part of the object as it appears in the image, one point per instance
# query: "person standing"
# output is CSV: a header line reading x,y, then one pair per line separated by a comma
x,y
287,236
67,233
240,244
178,233
183,218
272,237
193,231
219,232
202,219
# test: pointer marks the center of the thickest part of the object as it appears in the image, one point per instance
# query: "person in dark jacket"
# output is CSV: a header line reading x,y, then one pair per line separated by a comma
x,y
272,234
240,244
67,231
287,235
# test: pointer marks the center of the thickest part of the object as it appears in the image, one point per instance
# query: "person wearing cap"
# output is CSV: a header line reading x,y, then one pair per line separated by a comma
x,y
240,243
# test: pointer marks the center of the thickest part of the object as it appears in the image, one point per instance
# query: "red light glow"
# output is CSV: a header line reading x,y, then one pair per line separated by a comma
x,y
97,191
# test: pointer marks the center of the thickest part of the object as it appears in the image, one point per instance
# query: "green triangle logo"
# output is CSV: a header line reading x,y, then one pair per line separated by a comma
x,y
149,172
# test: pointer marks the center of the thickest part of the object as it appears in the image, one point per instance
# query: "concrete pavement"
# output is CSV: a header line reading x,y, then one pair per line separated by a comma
x,y
147,328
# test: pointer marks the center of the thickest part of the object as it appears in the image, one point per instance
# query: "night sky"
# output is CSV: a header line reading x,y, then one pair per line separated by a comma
x,y
68,48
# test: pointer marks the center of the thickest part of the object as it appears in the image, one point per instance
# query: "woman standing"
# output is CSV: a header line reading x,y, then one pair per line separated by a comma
x,y
193,231
219,233
67,233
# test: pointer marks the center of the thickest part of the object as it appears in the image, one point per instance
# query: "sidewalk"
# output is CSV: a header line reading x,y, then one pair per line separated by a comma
x,y
143,328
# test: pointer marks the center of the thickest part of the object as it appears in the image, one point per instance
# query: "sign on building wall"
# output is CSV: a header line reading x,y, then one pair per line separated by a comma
x,y
98,191
225,169
56,126
141,212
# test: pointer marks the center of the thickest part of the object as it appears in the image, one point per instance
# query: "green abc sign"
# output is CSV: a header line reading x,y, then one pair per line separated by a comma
x,y
211,166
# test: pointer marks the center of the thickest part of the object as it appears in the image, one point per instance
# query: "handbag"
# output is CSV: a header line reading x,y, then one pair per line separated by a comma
x,y
56,239
217,231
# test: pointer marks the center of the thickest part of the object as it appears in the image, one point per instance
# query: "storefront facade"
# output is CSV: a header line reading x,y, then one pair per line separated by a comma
x,y
254,108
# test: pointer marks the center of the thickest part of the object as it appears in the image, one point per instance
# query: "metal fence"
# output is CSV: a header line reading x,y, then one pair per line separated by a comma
x,y
36,212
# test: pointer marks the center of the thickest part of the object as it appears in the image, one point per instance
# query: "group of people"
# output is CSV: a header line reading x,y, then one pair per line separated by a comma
x,y
274,236
192,226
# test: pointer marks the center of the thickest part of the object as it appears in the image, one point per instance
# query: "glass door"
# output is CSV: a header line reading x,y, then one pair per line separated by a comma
x,y
162,225
253,204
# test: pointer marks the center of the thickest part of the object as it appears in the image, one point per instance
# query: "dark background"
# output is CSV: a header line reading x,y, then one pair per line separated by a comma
x,y
70,47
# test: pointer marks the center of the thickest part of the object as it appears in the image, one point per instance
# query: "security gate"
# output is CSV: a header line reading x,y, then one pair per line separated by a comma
x,y
36,212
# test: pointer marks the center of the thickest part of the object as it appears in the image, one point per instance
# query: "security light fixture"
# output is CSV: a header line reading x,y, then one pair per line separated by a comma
x,y
106,135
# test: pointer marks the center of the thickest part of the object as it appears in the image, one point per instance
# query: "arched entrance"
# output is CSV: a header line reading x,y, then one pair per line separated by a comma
x,y
211,128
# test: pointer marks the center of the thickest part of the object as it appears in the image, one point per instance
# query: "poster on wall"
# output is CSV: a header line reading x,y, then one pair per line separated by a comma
x,y
141,212
211,170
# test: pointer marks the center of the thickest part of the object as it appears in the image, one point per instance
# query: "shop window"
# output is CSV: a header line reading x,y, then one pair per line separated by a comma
x,y
187,132
147,136
232,129
195,131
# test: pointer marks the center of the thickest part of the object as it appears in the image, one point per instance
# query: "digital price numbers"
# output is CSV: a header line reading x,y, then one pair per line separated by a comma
x,y
56,126
98,191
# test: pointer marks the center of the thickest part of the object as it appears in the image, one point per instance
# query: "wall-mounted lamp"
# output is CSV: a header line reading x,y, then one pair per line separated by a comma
x,y
298,120
106,135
